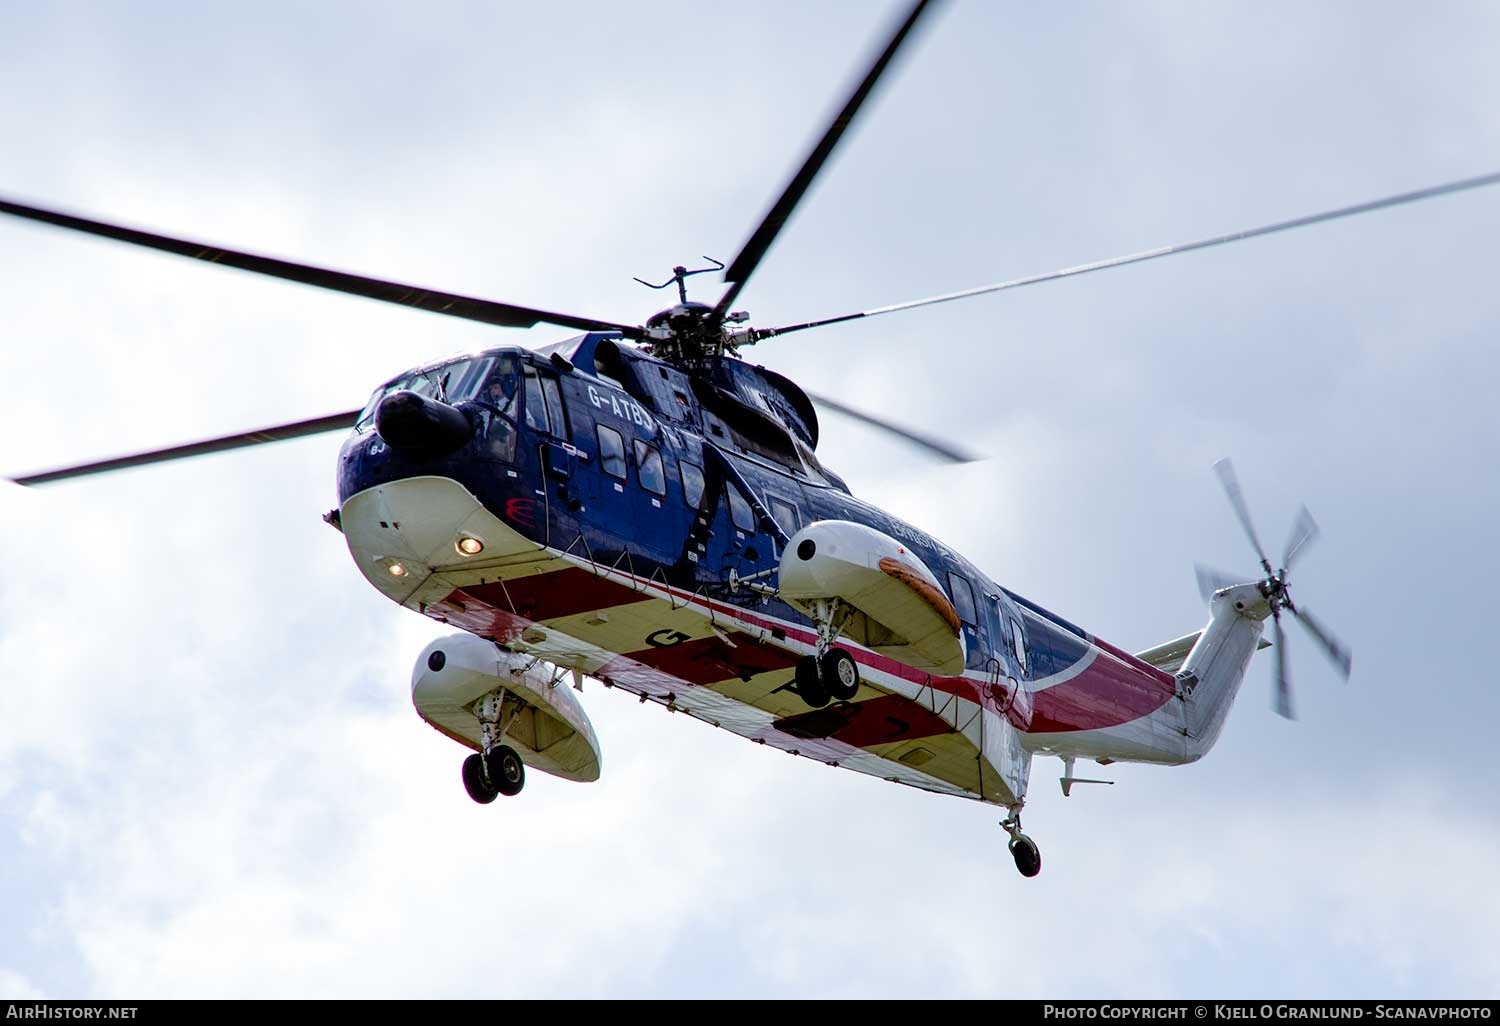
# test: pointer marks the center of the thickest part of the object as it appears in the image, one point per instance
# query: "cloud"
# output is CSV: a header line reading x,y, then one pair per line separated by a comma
x,y
17,987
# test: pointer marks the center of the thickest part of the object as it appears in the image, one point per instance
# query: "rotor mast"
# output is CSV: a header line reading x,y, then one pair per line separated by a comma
x,y
688,333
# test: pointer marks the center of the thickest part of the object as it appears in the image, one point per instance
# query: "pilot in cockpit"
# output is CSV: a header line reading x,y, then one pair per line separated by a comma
x,y
501,391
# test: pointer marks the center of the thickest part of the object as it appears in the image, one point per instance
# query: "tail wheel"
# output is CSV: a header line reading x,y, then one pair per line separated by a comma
x,y
475,781
507,772
840,675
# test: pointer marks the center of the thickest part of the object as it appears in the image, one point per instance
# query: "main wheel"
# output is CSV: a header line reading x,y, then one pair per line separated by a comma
x,y
506,770
813,691
1027,855
474,780
840,675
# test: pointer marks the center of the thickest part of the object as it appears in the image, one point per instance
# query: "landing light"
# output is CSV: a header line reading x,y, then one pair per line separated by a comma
x,y
469,546
397,570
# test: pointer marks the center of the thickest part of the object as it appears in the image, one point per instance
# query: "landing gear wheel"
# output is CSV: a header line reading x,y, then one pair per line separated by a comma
x,y
840,674
507,772
812,689
475,781
1027,855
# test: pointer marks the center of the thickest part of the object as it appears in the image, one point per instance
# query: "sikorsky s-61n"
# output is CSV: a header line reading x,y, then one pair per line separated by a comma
x,y
641,506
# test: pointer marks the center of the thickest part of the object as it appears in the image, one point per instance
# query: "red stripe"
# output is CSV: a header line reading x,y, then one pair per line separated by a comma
x,y
876,721
1139,665
476,617
1106,694
706,660
554,595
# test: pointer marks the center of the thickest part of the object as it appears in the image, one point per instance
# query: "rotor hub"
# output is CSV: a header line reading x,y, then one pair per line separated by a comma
x,y
1275,590
685,333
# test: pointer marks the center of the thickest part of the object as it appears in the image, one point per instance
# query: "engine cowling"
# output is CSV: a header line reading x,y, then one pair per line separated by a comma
x,y
552,734
901,609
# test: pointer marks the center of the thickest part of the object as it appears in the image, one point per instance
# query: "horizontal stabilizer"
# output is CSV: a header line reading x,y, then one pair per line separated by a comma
x,y
1068,782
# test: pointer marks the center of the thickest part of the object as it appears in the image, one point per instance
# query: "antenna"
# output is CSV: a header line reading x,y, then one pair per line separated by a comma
x,y
680,276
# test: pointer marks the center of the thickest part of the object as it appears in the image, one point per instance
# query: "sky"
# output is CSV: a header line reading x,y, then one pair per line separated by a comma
x,y
212,782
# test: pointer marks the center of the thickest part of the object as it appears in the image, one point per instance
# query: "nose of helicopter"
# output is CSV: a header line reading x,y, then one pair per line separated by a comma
x,y
414,423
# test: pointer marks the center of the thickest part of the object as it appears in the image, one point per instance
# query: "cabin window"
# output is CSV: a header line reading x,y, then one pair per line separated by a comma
x,y
555,417
786,515
648,468
692,483
612,452
740,512
963,597
1018,643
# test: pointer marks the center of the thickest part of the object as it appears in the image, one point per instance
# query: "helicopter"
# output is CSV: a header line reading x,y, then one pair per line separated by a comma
x,y
637,504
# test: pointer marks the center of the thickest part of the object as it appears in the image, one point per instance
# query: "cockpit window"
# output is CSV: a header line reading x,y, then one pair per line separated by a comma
x,y
423,383
480,378
499,385
463,380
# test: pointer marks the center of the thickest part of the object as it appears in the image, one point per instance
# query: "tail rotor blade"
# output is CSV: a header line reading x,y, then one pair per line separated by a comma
x,y
1283,685
1211,580
1336,651
1304,530
1225,469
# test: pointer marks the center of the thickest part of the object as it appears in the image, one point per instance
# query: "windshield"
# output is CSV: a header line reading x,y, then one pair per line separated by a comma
x,y
488,379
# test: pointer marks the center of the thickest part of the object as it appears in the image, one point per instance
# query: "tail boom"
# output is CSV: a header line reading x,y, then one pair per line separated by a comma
x,y
1178,727
1213,671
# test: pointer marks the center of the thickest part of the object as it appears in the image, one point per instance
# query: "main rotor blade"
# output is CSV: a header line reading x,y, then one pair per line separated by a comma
x,y
1153,254
1341,656
1304,530
1283,685
755,248
941,449
1225,469
506,315
1211,580
275,433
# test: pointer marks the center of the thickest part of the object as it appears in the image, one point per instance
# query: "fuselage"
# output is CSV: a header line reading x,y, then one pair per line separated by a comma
x,y
632,511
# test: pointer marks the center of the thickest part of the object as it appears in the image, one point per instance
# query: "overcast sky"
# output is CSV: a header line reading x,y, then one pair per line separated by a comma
x,y
212,781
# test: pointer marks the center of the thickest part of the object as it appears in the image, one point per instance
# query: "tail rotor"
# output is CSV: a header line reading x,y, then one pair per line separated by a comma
x,y
1275,588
